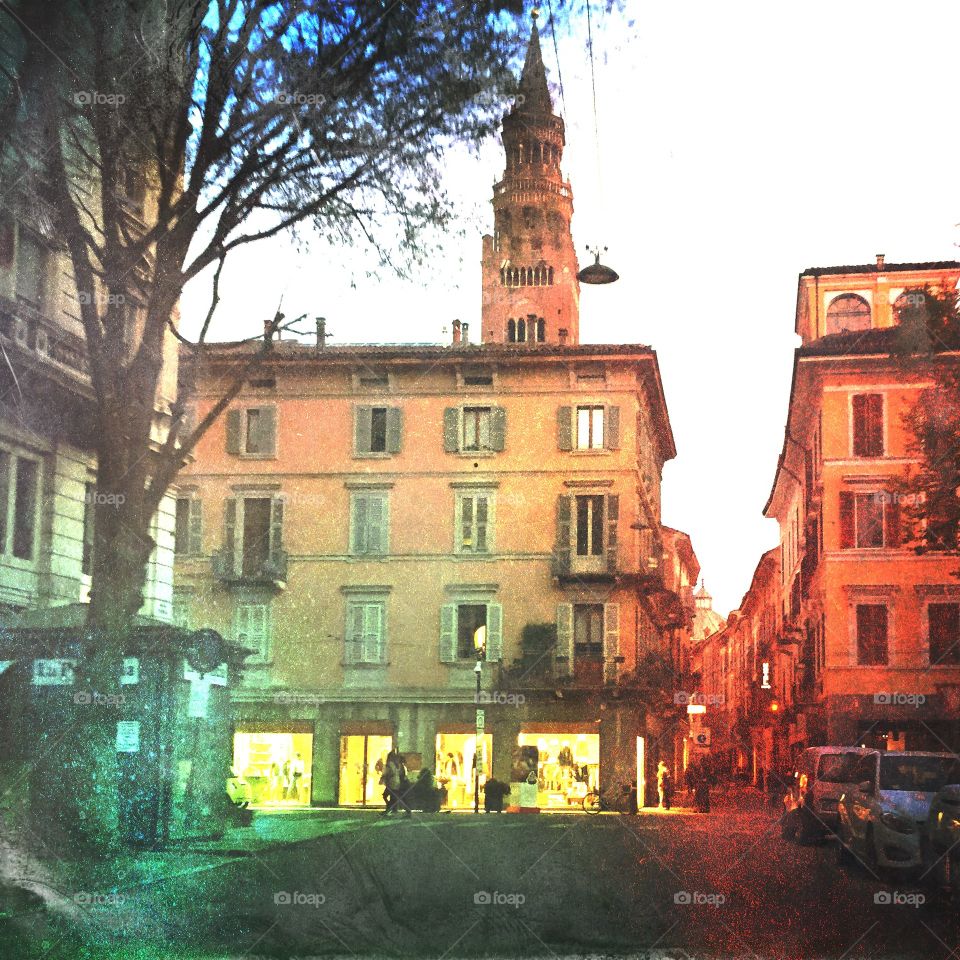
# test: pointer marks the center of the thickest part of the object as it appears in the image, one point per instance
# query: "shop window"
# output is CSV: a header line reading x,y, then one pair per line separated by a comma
x,y
276,766
474,522
867,413
377,430
189,526
872,638
944,619
19,502
369,517
252,431
365,632
868,520
568,767
456,767
362,759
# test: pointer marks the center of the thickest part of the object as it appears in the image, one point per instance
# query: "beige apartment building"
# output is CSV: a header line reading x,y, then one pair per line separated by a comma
x,y
364,516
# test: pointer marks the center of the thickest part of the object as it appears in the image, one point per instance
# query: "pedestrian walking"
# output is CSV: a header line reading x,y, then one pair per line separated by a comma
x,y
403,789
391,783
664,785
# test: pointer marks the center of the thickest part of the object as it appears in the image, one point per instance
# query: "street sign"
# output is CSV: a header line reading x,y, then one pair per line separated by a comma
x,y
128,736
481,717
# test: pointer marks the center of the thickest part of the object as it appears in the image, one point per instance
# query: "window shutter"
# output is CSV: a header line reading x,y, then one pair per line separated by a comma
x,y
482,517
230,534
233,431
376,525
394,429
613,518
276,528
562,549
847,520
451,429
498,428
611,640
241,629
362,429
494,632
891,522
448,633
565,639
874,425
944,645
268,431
611,428
353,651
565,428
372,632
196,525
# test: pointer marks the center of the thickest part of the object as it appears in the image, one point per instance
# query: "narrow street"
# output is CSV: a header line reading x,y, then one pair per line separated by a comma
x,y
656,885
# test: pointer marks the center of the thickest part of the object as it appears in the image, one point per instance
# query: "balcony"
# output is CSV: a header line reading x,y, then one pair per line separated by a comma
x,y
251,568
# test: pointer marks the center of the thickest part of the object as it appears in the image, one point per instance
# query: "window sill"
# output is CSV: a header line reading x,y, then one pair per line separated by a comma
x,y
256,456
372,455
468,555
365,664
591,451
477,453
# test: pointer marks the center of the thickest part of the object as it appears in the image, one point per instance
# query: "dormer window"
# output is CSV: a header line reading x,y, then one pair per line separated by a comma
x,y
849,311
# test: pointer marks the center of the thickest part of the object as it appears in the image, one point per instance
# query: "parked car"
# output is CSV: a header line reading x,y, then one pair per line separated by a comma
x,y
942,840
822,775
883,817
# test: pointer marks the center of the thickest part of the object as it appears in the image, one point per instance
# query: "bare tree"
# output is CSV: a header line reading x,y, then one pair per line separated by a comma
x,y
164,134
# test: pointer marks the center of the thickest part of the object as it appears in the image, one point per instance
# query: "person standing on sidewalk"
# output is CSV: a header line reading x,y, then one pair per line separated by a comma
x,y
664,785
391,783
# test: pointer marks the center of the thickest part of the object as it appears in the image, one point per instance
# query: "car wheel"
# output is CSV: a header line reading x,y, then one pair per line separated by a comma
x,y
844,856
788,825
809,830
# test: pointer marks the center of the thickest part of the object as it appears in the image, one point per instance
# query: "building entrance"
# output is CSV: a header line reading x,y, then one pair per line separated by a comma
x,y
362,758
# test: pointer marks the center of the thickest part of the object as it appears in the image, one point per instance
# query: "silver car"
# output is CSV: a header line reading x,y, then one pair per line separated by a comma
x,y
942,847
883,818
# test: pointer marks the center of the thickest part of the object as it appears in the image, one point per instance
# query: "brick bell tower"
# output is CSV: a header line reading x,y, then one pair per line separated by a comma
x,y
530,289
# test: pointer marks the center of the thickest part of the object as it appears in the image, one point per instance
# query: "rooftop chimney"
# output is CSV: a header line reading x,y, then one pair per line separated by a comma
x,y
880,258
456,332
321,332
562,335
465,331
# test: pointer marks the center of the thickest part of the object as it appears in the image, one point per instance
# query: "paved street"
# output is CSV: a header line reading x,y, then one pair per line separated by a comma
x,y
656,885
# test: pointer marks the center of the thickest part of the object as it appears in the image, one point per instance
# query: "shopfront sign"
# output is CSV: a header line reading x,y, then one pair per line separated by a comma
x,y
53,673
128,736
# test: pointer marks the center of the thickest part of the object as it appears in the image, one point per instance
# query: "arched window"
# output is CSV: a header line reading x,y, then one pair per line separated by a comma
x,y
529,276
848,312
503,277
512,330
522,331
541,330
550,276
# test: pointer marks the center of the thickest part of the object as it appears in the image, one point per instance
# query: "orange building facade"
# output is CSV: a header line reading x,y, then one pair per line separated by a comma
x,y
362,516
873,623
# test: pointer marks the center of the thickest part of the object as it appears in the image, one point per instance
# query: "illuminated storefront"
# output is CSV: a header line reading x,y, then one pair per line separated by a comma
x,y
277,765
362,759
455,766
568,766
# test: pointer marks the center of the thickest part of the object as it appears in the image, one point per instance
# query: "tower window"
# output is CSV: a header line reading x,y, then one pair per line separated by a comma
x,y
522,331
541,330
512,330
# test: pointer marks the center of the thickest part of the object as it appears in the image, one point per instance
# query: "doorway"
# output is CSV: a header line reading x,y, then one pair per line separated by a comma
x,y
362,758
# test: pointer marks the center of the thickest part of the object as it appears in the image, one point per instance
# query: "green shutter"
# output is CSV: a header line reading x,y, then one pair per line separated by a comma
x,y
451,429
565,428
394,429
482,516
276,528
233,431
230,534
196,525
377,524
565,639
353,649
498,428
611,640
373,633
448,633
268,431
359,531
613,518
362,429
494,632
562,549
611,428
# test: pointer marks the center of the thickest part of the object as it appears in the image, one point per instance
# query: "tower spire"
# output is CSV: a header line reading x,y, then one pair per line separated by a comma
x,y
533,80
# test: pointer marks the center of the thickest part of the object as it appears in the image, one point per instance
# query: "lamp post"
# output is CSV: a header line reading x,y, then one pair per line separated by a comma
x,y
480,645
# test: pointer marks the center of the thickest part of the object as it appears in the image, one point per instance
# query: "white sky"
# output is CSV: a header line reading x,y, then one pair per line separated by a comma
x,y
740,143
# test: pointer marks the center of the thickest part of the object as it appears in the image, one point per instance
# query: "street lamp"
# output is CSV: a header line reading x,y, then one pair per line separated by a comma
x,y
480,645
